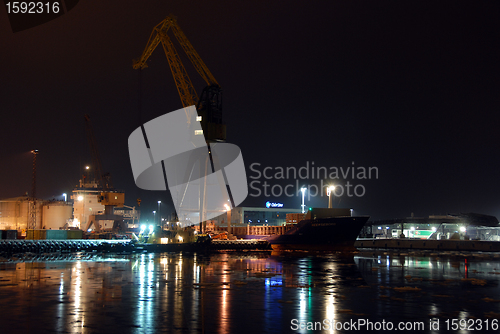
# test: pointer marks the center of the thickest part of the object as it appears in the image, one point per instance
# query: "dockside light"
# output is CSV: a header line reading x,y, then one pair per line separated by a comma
x,y
303,190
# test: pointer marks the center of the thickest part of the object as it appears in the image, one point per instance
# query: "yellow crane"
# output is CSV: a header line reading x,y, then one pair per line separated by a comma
x,y
209,105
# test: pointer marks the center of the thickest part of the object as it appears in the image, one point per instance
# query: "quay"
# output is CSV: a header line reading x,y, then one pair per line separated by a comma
x,y
15,246
426,244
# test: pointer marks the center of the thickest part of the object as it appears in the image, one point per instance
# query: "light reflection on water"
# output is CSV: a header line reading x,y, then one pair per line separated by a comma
x,y
244,293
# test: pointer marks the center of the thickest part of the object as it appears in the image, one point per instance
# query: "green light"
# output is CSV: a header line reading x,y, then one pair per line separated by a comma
x,y
310,209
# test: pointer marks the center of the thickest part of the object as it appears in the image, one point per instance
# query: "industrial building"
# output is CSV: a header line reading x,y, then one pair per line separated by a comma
x,y
87,203
15,213
256,216
54,215
462,225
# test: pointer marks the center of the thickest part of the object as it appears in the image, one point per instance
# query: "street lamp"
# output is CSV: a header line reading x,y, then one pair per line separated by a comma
x,y
303,190
329,192
65,197
86,176
159,212
228,212
154,217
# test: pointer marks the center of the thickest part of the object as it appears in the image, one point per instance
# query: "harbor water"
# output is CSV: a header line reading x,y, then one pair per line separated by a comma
x,y
251,293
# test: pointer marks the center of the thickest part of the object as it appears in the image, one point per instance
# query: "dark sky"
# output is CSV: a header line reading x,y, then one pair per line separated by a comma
x,y
411,88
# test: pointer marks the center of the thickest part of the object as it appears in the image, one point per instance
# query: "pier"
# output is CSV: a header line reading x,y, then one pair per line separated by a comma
x,y
10,247
425,244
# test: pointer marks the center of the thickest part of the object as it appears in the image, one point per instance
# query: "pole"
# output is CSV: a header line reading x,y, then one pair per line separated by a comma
x,y
329,192
303,194
228,213
159,214
32,222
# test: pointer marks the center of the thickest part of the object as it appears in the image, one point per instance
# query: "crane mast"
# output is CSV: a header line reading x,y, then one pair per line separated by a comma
x,y
32,203
103,180
209,105
108,196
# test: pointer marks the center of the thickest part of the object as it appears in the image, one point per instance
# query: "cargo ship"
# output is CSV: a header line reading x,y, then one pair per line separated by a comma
x,y
320,229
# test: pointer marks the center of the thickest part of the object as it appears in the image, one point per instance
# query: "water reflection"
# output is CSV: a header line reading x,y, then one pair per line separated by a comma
x,y
244,293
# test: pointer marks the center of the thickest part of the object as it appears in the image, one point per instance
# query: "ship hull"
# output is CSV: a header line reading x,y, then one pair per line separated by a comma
x,y
323,234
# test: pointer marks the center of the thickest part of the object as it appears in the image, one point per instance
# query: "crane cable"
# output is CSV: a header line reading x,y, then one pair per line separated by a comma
x,y
139,107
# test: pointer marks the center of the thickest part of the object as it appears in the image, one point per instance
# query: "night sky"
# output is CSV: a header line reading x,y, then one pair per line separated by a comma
x,y
411,88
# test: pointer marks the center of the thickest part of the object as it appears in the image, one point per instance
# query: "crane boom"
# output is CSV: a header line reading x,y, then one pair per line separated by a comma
x,y
157,36
182,81
193,55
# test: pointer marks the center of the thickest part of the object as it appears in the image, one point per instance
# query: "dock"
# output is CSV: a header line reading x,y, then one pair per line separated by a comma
x,y
16,246
425,244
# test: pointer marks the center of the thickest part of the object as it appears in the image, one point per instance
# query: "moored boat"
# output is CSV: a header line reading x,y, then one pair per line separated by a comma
x,y
318,229
328,234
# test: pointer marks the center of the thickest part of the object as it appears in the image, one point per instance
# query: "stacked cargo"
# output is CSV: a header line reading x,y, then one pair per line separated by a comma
x,y
75,234
8,234
57,234
50,234
36,234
